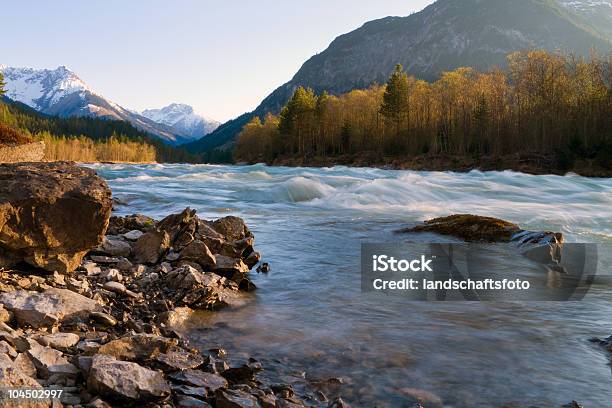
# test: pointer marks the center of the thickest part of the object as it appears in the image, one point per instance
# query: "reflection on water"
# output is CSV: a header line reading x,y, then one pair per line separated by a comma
x,y
309,315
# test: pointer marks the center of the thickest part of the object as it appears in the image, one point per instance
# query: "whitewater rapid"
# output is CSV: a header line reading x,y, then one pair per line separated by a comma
x,y
310,315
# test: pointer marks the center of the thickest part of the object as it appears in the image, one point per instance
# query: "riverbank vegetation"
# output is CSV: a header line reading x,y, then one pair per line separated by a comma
x,y
544,104
84,139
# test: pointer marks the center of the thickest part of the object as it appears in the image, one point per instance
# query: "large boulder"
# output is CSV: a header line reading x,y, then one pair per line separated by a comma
x,y
540,246
51,214
476,228
45,309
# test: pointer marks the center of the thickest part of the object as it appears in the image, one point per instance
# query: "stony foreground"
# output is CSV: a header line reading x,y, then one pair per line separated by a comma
x,y
89,303
105,333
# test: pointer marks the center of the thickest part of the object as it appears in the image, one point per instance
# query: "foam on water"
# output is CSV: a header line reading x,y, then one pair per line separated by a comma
x,y
310,314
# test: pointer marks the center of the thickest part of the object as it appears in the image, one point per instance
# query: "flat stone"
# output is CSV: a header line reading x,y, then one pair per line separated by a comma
x,y
114,287
103,318
133,235
58,340
114,245
179,360
235,399
197,378
109,377
185,401
138,347
102,259
44,309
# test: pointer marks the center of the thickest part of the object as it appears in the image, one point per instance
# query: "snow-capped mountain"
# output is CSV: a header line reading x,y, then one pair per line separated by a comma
x,y
594,13
183,120
61,92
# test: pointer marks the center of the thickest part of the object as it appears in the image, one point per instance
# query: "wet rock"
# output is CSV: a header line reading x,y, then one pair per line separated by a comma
x,y
572,404
234,399
252,260
125,380
475,228
138,347
58,340
264,268
51,214
44,309
114,245
197,251
50,362
151,246
179,360
243,373
197,378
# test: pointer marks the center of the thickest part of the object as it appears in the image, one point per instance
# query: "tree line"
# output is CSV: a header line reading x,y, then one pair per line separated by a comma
x,y
544,102
85,138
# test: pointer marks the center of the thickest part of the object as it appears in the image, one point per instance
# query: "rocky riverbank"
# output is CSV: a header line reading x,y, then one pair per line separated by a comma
x,y
525,163
88,302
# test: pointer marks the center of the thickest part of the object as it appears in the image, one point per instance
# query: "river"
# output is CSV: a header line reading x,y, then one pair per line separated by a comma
x,y
309,317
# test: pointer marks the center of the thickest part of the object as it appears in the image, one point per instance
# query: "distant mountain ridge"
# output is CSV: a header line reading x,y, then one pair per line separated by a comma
x,y
445,35
62,93
183,120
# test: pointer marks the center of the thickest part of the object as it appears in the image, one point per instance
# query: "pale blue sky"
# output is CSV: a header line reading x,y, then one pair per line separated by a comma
x,y
222,57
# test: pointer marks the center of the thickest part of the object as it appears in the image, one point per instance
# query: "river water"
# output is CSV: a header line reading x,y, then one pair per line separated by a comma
x,y
309,318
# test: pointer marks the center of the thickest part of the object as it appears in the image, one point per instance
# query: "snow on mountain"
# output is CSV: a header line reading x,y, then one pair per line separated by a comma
x,y
586,4
183,120
61,92
594,13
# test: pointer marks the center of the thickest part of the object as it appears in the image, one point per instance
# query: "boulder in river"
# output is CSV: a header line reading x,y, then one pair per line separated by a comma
x,y
51,214
541,246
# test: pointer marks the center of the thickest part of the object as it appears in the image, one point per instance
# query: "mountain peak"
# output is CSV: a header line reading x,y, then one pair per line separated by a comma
x,y
183,119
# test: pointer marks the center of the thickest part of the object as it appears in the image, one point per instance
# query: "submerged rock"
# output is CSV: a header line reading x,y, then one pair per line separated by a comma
x,y
51,214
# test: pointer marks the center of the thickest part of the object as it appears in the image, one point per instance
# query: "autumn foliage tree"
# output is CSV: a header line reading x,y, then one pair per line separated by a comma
x,y
544,104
